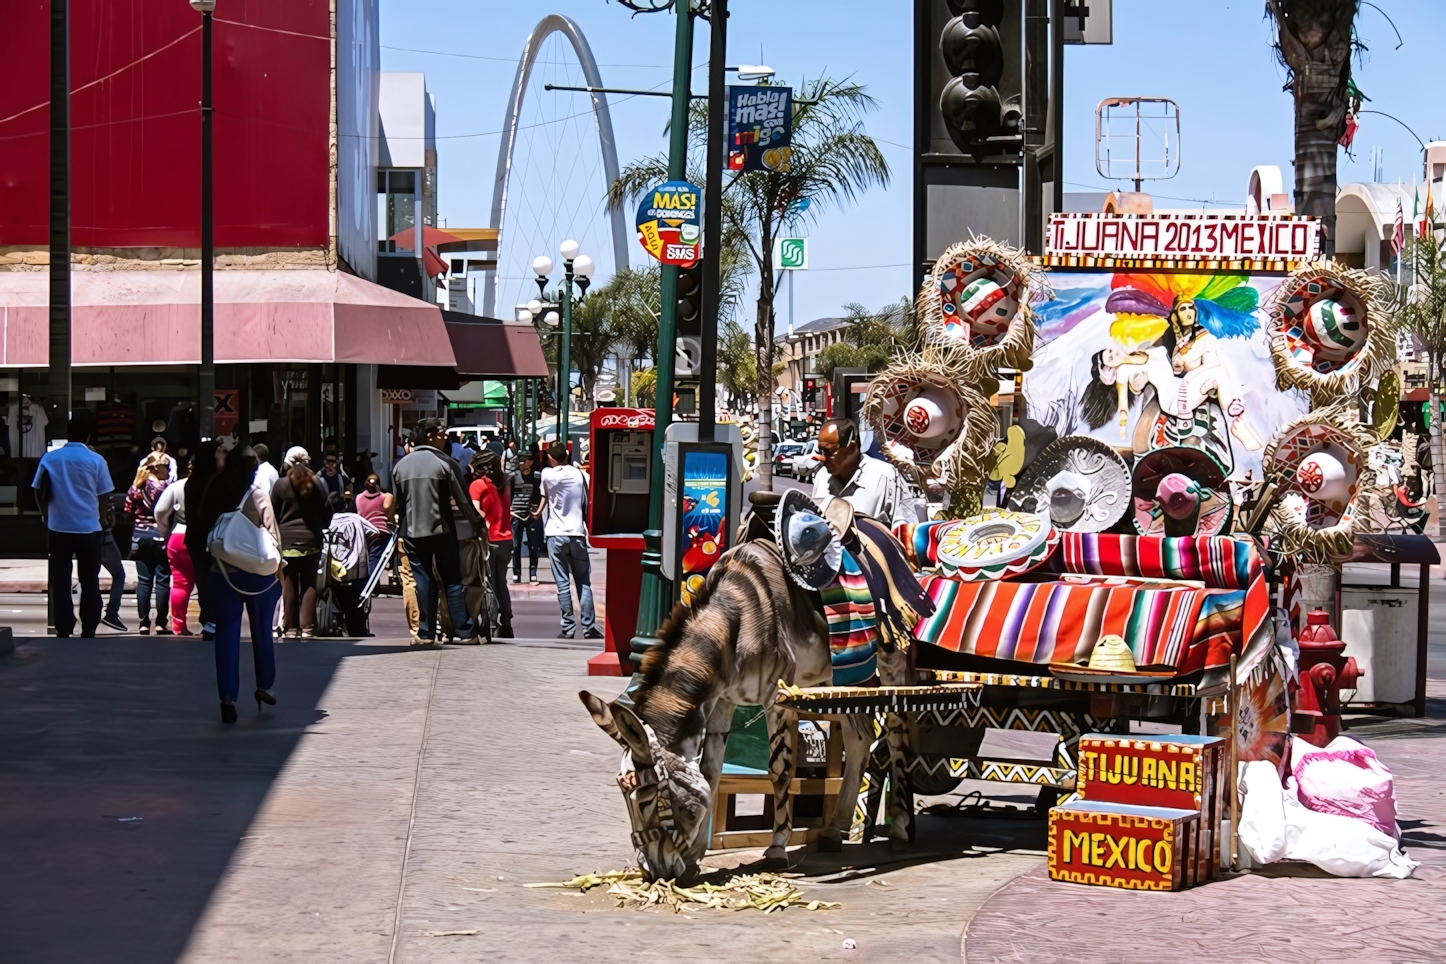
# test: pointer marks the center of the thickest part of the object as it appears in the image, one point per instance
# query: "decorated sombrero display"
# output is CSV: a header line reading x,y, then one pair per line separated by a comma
x,y
1329,330
1079,483
995,543
977,299
1315,464
922,413
1180,491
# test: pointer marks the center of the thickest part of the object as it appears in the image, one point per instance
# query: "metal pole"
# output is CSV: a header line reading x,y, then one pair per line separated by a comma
x,y
656,597
59,374
717,158
206,377
564,367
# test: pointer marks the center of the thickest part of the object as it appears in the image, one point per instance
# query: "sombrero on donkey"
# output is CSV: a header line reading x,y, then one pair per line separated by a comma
x,y
811,551
1079,483
1328,330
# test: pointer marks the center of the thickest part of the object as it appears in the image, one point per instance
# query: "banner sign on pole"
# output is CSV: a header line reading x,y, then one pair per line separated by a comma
x,y
670,223
760,128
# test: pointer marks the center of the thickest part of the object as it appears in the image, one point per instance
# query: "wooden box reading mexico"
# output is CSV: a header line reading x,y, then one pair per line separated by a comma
x,y
1181,771
1118,845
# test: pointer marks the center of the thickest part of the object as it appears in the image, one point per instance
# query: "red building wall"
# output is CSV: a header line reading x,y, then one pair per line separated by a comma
x,y
135,75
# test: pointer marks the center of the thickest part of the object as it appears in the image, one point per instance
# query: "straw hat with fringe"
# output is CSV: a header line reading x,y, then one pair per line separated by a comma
x,y
1324,352
1337,429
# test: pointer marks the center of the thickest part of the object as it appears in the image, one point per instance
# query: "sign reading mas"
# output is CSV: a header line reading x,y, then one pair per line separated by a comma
x,y
670,223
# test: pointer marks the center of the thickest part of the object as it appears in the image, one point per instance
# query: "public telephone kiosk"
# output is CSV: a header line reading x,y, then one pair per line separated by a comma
x,y
621,463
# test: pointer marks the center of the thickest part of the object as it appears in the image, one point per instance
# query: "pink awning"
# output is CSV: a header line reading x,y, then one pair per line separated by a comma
x,y
153,318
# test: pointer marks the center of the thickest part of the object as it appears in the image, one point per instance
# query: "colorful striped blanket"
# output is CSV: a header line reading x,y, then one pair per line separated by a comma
x,y
1167,622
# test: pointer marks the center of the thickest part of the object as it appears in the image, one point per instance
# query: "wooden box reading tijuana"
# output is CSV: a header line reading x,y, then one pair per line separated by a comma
x,y
1181,771
1118,845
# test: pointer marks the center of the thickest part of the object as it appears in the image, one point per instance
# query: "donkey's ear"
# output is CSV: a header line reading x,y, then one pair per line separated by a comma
x,y
634,736
602,716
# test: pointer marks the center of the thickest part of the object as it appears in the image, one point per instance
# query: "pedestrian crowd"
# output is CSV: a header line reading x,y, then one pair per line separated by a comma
x,y
245,536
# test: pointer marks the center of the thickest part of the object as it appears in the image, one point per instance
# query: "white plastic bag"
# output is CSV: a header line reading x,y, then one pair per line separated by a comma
x,y
1345,779
1262,812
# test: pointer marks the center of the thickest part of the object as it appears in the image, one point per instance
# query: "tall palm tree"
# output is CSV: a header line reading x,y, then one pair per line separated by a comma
x,y
833,160
1314,41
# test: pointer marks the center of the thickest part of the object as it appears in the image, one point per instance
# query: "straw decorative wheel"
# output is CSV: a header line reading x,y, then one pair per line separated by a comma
x,y
1316,461
1328,330
976,303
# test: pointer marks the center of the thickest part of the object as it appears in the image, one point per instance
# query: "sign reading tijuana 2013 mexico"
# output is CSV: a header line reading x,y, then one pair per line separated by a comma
x,y
1185,237
670,223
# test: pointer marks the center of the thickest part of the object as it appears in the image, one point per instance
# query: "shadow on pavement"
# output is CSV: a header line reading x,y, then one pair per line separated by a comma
x,y
122,796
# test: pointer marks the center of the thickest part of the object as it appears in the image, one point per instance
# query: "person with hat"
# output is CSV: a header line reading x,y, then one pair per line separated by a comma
x,y
872,486
426,489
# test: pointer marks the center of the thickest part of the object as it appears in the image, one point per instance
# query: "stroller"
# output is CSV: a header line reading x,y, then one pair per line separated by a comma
x,y
344,594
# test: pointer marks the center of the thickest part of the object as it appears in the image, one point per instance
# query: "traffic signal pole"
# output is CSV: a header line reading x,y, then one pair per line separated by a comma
x,y
717,158
656,597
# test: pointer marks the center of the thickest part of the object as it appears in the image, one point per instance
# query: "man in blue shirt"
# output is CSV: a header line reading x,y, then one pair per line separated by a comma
x,y
71,486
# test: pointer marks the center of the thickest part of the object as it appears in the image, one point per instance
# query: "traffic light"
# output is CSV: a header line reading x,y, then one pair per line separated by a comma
x,y
810,391
690,320
982,119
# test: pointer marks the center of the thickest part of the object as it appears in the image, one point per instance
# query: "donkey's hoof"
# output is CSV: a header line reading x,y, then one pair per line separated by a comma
x,y
899,839
830,841
775,858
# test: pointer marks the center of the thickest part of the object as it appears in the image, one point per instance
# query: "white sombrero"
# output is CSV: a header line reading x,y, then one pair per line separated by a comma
x,y
1080,483
995,543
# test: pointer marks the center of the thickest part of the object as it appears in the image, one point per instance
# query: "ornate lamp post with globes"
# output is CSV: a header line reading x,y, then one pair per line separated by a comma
x,y
574,267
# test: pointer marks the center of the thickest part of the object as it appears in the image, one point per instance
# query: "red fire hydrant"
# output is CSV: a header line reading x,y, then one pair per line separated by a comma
x,y
1325,670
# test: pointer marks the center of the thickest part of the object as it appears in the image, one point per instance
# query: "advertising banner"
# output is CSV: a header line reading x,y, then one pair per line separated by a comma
x,y
670,223
760,128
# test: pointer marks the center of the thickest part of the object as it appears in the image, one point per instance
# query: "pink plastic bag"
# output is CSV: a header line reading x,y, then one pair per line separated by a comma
x,y
1346,779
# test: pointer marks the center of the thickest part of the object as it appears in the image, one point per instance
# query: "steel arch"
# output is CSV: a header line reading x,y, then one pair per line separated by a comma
x,y
548,25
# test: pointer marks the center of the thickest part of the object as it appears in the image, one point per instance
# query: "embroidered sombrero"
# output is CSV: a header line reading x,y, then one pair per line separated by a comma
x,y
976,301
995,543
1175,483
1317,463
811,551
1328,330
1080,483
918,412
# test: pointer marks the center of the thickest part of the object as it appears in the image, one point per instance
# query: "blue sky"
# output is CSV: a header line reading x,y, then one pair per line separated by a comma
x,y
1214,59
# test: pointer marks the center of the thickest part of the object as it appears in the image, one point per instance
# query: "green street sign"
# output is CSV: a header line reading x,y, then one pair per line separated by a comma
x,y
791,254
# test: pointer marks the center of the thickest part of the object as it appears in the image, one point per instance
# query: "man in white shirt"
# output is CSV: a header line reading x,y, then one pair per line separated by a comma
x,y
564,494
872,486
266,474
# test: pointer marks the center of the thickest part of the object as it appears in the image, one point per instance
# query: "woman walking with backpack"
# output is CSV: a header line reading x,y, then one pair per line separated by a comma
x,y
234,589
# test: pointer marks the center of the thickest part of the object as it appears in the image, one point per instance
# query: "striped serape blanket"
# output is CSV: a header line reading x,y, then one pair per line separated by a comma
x,y
853,625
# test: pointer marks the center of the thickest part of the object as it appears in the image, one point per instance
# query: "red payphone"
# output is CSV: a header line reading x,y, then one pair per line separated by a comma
x,y
620,456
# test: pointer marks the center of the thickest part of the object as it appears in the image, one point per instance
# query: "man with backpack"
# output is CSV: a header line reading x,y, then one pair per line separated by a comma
x,y
427,486
564,493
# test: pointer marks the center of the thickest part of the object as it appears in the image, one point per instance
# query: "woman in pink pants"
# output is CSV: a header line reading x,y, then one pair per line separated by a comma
x,y
171,523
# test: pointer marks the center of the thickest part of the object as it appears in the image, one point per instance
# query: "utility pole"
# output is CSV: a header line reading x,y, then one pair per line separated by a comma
x,y
656,597
58,385
717,158
206,375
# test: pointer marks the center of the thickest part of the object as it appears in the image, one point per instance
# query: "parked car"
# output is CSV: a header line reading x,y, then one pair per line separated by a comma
x,y
804,463
783,454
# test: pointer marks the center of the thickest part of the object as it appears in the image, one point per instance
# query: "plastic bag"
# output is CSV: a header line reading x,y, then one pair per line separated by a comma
x,y
1345,779
1262,812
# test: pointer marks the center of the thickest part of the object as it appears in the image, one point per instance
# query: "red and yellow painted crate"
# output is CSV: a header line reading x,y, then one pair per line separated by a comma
x,y
1181,771
1119,845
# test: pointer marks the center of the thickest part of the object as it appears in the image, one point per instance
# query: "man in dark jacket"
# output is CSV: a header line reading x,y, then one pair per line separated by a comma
x,y
426,488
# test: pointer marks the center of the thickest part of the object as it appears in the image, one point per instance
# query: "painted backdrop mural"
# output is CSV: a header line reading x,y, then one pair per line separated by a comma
x,y
1144,361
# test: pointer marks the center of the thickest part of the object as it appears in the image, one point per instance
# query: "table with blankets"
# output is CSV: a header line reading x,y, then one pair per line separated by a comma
x,y
1179,603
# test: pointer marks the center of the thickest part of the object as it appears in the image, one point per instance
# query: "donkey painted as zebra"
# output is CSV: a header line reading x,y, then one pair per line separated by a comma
x,y
749,627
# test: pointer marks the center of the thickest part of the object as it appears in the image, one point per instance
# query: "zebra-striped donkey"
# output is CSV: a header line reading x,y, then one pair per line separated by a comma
x,y
750,627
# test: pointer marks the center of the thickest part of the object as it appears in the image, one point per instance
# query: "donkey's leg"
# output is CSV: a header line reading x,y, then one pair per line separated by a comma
x,y
901,799
857,732
720,721
782,724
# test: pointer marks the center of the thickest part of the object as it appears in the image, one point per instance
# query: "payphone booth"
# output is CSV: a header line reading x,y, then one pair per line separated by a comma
x,y
620,459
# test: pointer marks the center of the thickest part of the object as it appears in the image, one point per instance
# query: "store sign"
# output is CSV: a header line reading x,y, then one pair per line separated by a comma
x,y
670,223
225,411
1184,238
396,396
790,254
760,129
627,418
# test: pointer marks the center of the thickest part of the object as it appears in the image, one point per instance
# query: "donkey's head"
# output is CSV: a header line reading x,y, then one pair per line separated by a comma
x,y
656,839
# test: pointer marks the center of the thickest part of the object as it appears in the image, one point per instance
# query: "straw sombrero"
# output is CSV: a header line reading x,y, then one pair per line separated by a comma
x,y
976,301
920,413
1328,330
1317,462
1080,483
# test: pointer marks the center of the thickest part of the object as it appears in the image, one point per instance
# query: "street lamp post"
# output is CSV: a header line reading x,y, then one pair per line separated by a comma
x,y
206,376
577,268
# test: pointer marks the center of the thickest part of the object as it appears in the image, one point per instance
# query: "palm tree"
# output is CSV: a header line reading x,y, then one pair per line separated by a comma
x,y
1314,41
1423,314
833,160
